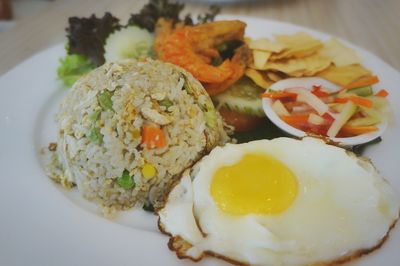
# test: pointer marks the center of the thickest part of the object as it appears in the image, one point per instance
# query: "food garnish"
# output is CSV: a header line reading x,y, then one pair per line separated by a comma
x,y
242,97
93,40
279,95
366,81
240,105
129,42
85,46
87,36
72,67
361,91
351,111
156,9
361,101
358,130
382,93
279,108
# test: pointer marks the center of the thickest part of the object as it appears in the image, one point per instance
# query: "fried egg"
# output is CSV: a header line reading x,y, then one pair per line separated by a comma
x,y
279,202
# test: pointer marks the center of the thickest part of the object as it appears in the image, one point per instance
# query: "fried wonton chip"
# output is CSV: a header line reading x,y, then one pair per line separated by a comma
x,y
265,45
258,78
299,67
298,45
260,58
301,55
340,54
345,74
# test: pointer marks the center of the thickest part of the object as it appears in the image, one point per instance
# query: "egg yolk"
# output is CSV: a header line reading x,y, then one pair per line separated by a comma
x,y
257,184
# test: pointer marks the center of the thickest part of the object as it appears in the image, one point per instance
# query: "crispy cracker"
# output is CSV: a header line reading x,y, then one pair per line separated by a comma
x,y
299,67
260,58
340,54
266,45
258,78
298,45
345,74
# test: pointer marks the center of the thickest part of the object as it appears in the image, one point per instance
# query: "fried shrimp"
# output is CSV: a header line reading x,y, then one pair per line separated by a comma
x,y
193,48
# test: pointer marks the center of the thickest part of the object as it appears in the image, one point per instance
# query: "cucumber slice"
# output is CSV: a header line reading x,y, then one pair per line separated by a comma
x,y
348,111
363,121
380,110
242,97
130,42
362,91
371,112
279,108
379,102
338,107
315,119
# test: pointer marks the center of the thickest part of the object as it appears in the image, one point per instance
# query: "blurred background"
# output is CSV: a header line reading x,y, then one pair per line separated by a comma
x,y
15,10
28,26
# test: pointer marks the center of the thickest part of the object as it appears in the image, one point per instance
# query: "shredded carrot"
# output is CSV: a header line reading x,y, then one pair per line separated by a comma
x,y
361,101
367,81
341,100
382,93
351,130
153,137
278,95
295,119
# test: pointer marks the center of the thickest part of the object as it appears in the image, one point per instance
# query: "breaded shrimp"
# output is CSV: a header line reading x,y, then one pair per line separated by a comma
x,y
193,47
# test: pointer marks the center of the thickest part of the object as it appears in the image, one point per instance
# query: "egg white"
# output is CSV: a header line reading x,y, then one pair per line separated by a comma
x,y
342,206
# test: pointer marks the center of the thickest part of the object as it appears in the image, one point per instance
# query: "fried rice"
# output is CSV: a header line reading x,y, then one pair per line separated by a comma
x,y
100,127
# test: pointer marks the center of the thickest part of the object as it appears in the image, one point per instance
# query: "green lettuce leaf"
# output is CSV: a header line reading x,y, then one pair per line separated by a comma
x,y
72,67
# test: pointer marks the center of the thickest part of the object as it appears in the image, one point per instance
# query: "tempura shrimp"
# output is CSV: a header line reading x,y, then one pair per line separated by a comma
x,y
193,48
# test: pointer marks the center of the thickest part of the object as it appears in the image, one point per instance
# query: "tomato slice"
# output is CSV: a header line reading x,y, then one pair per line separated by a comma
x,y
317,91
241,122
318,129
328,117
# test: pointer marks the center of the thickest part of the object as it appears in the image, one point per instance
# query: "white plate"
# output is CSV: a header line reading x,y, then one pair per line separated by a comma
x,y
41,224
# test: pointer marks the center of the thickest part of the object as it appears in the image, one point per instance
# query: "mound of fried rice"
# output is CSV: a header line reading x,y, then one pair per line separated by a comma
x,y
100,127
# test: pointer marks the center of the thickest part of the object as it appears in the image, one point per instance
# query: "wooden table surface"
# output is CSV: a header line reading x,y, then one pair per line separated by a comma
x,y
372,24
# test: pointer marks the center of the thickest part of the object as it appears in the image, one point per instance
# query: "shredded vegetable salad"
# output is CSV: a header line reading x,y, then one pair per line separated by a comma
x,y
351,111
